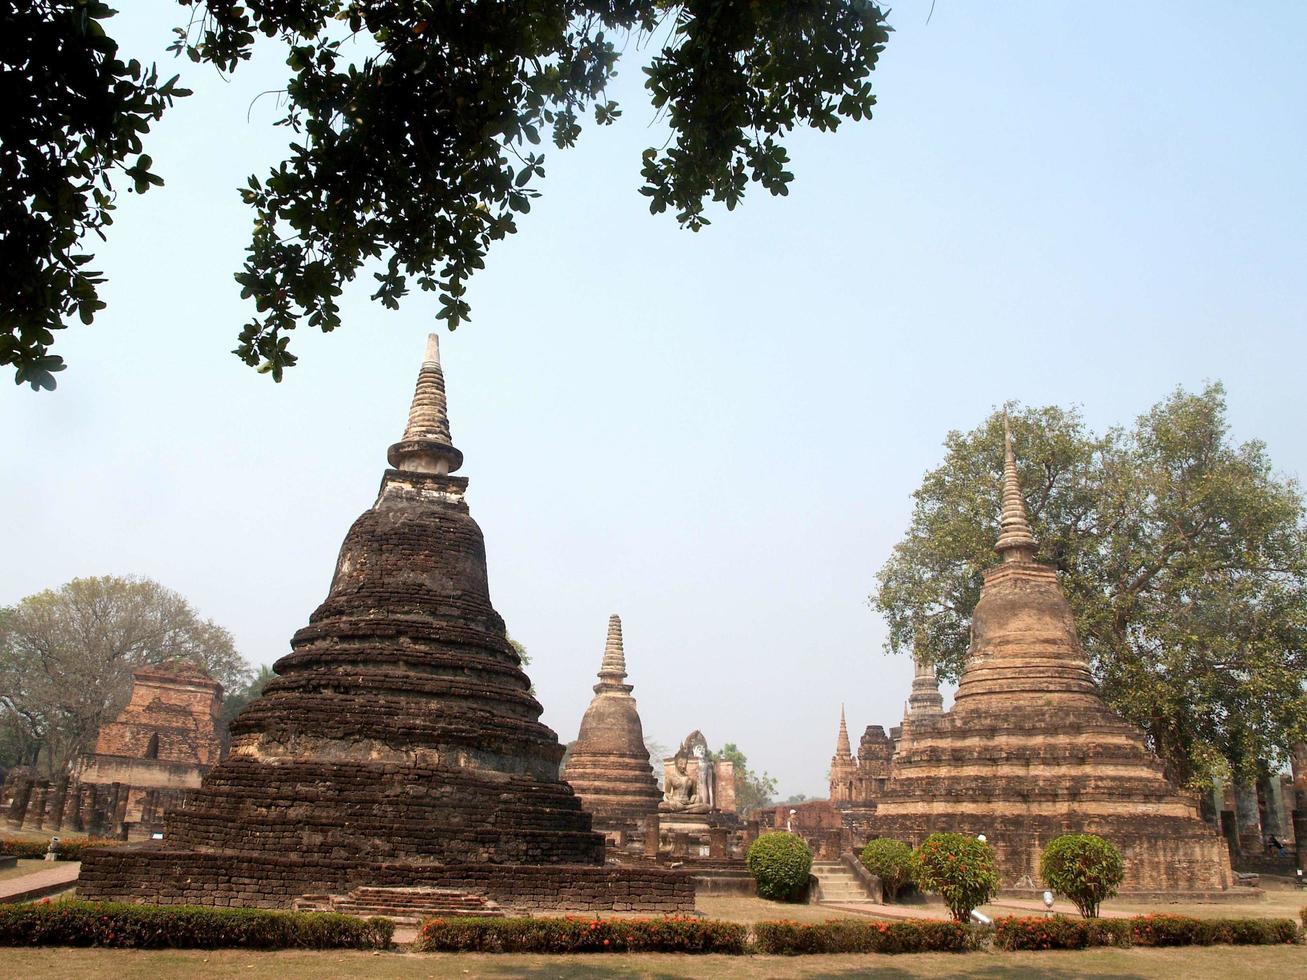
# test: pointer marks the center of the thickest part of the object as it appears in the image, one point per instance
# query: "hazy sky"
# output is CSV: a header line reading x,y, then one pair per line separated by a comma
x,y
716,435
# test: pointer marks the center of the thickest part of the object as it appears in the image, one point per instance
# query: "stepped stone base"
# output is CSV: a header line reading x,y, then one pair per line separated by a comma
x,y
407,906
151,873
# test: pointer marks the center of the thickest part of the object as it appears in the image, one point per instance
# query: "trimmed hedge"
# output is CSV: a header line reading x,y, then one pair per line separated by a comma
x,y
891,861
1061,932
665,934
1085,868
68,848
960,868
864,936
185,927
780,863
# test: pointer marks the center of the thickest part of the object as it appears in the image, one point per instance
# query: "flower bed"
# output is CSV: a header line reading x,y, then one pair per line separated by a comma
x,y
185,927
787,938
665,934
68,848
1061,932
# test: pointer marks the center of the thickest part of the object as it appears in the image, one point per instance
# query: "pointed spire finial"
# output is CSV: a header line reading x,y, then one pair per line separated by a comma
x,y
612,669
842,748
1015,540
426,446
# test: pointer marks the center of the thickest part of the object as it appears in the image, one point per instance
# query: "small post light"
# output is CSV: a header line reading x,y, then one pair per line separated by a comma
x,y
981,838
1048,901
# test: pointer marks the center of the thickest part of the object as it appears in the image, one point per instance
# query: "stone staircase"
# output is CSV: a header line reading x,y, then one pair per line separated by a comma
x,y
837,885
405,906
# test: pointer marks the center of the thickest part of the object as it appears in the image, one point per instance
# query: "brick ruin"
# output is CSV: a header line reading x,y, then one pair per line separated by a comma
x,y
856,783
399,744
608,767
1030,750
145,761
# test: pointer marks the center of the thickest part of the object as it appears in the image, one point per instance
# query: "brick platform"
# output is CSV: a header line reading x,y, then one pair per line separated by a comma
x,y
150,873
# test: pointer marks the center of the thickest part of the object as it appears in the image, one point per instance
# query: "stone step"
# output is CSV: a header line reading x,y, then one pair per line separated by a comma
x,y
838,884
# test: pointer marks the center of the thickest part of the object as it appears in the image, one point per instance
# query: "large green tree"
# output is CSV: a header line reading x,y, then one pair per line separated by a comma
x,y
1183,555
416,127
67,656
753,790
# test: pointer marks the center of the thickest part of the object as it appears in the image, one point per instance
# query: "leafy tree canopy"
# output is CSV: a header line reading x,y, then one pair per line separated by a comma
x,y
417,127
1182,554
67,656
753,791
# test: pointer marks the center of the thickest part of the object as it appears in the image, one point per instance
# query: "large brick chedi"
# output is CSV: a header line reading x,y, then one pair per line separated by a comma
x,y
399,742
1030,751
609,764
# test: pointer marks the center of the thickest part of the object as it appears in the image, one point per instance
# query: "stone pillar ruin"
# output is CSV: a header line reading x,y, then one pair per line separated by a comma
x,y
717,845
1247,818
651,836
35,819
1273,826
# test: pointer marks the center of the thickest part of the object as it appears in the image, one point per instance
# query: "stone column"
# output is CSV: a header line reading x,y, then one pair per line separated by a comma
x,y
86,808
1247,818
54,819
1298,760
1274,824
68,820
680,844
651,836
717,844
751,830
1300,836
35,818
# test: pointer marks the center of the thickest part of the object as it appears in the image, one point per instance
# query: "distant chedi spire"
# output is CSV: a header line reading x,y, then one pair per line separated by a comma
x,y
609,766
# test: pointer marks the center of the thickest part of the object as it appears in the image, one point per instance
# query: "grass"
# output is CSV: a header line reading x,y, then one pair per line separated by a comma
x,y
1191,963
24,867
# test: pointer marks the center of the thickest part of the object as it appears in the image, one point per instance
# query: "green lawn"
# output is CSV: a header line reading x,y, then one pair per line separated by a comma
x,y
1192,964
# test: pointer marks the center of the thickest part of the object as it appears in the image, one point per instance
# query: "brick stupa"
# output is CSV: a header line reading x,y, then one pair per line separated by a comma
x,y
609,764
1030,750
400,745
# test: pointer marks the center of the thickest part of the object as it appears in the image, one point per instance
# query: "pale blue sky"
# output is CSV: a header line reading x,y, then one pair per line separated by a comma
x,y
714,435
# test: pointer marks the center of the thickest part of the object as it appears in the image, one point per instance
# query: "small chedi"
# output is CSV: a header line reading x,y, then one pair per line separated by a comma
x,y
146,760
608,767
399,747
1030,751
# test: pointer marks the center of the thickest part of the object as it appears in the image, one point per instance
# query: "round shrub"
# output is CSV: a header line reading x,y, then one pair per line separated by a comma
x,y
959,868
1083,867
780,863
890,861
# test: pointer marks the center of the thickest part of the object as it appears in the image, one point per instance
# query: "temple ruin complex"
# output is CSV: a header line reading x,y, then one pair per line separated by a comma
x,y
146,760
399,747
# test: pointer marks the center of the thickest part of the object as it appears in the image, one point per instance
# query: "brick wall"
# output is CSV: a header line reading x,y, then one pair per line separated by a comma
x,y
151,873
